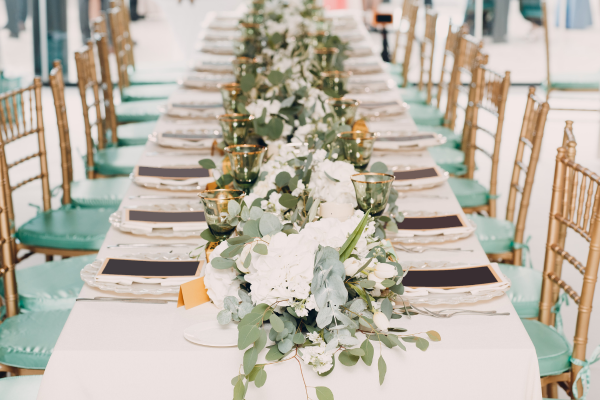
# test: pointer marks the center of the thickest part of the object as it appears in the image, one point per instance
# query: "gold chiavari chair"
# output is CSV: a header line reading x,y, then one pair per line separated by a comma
x,y
575,206
503,240
459,97
51,231
36,331
573,82
416,94
90,192
489,91
118,17
526,288
101,160
133,133
399,71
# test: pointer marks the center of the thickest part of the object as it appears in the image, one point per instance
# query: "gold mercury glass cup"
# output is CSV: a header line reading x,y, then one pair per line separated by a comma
x,y
257,5
318,38
247,46
216,206
253,17
250,30
235,127
372,191
358,147
325,57
336,82
243,66
344,109
245,160
230,92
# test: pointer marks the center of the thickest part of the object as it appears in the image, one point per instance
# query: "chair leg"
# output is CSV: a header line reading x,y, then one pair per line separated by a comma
x,y
49,257
553,390
545,391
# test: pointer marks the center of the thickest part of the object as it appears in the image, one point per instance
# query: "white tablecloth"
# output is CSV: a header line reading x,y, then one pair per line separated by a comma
x,y
114,351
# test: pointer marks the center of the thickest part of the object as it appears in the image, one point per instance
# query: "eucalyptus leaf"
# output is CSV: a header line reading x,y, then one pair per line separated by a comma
x,y
395,341
208,236
239,390
386,308
231,303
207,163
244,309
285,345
224,317
422,344
299,338
239,240
357,352
347,358
275,77
254,318
382,369
261,378
255,212
287,200
222,263
379,167
367,284
261,248
251,227
434,336
276,323
324,393
233,208
331,177
288,102
274,354
388,283
248,334
232,251
369,350
282,179
247,82
269,224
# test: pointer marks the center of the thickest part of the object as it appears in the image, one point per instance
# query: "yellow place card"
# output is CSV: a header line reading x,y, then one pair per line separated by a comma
x,y
192,294
360,125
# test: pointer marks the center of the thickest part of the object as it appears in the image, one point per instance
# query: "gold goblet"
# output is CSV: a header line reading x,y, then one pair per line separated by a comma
x,y
358,147
344,109
335,82
243,66
235,127
325,57
372,191
245,160
230,92
216,210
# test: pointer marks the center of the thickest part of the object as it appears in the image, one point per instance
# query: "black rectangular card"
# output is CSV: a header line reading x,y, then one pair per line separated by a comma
x,y
176,173
451,278
191,136
441,222
416,174
166,216
150,269
404,138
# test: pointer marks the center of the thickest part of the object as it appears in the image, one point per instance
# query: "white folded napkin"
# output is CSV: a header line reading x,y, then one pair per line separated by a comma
x,y
503,285
416,140
206,113
174,182
128,280
149,226
164,140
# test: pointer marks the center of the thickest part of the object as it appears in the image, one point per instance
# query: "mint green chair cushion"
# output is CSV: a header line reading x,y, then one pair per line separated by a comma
x,y
413,95
105,192
395,71
525,289
27,340
24,387
469,192
135,134
155,76
574,81
148,92
52,285
67,228
452,160
495,235
424,114
552,349
453,139
117,160
139,111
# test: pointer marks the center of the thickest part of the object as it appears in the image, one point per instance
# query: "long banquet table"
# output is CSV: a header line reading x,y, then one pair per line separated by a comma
x,y
117,350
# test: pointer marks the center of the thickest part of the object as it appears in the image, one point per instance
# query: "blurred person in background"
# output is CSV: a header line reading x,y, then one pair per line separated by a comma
x,y
17,14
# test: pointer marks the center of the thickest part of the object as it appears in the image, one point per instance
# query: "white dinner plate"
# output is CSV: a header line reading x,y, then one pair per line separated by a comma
x,y
208,332
418,184
204,144
428,239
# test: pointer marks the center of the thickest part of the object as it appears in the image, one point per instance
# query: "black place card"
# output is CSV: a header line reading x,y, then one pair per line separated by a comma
x,y
173,173
405,138
165,216
416,174
150,268
191,136
436,222
451,278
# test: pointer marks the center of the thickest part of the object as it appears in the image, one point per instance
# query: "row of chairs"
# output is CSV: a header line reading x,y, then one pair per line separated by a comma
x,y
38,299
470,91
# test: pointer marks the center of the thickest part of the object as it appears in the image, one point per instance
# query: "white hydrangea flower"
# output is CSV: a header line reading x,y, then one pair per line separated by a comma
x,y
320,360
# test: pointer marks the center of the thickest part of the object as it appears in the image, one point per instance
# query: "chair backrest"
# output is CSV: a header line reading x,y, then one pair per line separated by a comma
x,y
7,266
490,91
91,102
532,133
547,45
427,50
125,19
410,10
450,50
57,85
99,26
110,116
469,55
576,206
120,46
21,117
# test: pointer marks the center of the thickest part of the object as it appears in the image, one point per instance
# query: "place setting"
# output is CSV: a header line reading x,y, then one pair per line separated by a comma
x,y
184,178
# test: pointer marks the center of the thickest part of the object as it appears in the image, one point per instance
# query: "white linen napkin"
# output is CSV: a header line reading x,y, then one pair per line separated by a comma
x,y
178,142
174,182
128,280
503,285
417,141
149,226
